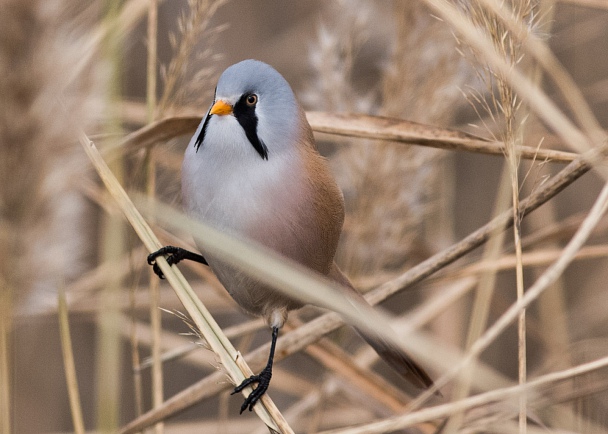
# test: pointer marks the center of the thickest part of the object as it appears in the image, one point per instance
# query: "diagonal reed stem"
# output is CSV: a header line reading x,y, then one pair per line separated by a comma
x,y
150,164
200,315
68,363
298,339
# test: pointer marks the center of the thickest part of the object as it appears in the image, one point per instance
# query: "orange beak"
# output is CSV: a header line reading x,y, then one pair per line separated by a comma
x,y
221,108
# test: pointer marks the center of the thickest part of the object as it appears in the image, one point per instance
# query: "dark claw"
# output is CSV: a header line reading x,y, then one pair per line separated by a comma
x,y
173,255
263,380
158,271
170,251
166,250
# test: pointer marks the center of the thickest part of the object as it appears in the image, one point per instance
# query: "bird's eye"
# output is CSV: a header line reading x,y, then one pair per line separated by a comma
x,y
252,99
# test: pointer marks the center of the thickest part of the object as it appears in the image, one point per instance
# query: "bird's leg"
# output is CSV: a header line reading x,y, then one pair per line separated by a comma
x,y
174,255
263,378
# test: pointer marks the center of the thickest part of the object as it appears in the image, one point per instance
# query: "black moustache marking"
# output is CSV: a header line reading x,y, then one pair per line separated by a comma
x,y
246,116
201,135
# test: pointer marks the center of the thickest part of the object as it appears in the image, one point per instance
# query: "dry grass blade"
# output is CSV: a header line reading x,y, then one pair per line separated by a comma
x,y
287,276
416,274
296,340
545,58
538,101
155,322
552,273
5,357
508,108
538,258
441,411
598,4
155,316
130,14
68,362
366,382
596,213
398,130
483,297
159,131
364,126
108,346
193,27
202,318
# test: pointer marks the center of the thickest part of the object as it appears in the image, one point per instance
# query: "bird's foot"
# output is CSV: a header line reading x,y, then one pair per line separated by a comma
x,y
263,380
173,256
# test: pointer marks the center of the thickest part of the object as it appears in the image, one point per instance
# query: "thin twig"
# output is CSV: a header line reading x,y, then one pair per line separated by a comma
x,y
68,363
294,341
537,258
108,349
355,125
531,94
204,321
6,359
552,273
542,54
150,165
184,350
441,411
421,271
483,297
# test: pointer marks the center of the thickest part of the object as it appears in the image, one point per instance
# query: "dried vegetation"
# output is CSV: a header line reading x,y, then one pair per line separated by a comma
x,y
505,109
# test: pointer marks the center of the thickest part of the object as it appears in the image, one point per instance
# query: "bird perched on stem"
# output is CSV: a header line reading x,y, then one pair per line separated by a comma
x,y
252,169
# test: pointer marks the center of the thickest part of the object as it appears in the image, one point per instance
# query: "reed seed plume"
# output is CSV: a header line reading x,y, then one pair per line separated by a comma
x,y
43,110
390,190
332,58
42,217
502,106
187,79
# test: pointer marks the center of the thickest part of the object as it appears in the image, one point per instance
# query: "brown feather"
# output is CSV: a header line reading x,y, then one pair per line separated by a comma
x,y
324,219
394,356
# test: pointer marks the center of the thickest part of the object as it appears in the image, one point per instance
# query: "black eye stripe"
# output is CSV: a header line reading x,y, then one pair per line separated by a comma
x,y
245,114
248,119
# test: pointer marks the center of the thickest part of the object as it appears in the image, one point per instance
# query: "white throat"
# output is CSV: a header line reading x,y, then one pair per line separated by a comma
x,y
229,185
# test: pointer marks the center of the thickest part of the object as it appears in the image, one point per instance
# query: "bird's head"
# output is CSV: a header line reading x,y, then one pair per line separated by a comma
x,y
253,106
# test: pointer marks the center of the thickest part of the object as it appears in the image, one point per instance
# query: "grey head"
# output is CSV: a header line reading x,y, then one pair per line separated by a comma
x,y
253,105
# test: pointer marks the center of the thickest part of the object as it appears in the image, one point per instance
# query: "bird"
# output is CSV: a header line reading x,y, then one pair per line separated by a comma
x,y
252,170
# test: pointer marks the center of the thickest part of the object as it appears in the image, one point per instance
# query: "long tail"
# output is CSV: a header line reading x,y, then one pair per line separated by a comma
x,y
394,356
